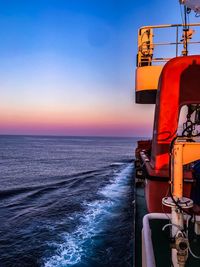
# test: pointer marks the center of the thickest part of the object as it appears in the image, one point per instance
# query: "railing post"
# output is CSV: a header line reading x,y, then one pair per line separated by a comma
x,y
176,41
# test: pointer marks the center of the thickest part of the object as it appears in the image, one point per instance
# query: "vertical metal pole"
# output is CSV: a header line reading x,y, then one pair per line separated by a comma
x,y
177,41
177,219
177,171
177,192
185,31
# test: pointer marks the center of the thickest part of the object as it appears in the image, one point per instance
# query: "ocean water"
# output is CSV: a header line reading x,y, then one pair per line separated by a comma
x,y
66,201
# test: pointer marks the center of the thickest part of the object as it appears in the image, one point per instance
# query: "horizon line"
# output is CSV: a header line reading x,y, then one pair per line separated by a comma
x,y
53,135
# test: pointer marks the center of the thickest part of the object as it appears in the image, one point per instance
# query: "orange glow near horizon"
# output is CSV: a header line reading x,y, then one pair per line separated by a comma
x,y
66,122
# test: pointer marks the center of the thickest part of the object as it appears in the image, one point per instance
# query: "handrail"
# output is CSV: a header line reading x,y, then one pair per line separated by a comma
x,y
168,26
146,45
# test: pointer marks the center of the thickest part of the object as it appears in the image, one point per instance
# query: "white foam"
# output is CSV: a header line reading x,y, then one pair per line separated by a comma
x,y
75,245
117,164
119,185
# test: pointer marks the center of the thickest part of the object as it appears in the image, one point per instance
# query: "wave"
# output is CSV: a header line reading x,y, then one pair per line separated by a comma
x,y
65,179
59,181
75,246
45,187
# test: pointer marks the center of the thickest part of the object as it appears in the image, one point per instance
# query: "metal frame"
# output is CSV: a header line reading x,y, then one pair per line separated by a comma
x,y
150,59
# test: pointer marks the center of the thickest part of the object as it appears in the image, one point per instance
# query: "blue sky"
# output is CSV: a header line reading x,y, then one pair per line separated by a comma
x,y
67,66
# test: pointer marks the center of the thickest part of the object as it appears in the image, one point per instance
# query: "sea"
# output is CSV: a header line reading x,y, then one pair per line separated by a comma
x,y
66,201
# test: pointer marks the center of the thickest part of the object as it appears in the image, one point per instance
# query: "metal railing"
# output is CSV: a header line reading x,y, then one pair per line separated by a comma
x,y
147,47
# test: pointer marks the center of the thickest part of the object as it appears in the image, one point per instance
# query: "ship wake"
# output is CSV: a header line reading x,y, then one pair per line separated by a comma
x,y
76,248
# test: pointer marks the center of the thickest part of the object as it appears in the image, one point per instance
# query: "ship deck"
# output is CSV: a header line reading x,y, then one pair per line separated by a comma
x,y
160,239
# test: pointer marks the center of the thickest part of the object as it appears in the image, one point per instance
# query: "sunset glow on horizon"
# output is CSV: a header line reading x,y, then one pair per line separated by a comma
x,y
67,67
116,122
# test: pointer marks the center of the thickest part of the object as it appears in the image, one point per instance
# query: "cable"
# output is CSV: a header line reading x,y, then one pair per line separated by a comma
x,y
173,224
187,235
177,204
192,253
189,125
167,193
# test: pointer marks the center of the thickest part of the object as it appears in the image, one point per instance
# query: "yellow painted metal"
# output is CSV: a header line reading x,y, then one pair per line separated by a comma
x,y
191,152
168,26
147,77
177,170
183,153
151,57
145,47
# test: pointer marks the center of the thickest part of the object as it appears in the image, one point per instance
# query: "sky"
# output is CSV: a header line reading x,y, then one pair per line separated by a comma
x,y
67,67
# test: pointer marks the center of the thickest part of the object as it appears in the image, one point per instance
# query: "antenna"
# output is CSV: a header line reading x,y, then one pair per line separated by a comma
x,y
185,33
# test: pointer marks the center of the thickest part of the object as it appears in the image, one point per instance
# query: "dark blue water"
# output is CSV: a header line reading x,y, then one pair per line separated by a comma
x,y
66,201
